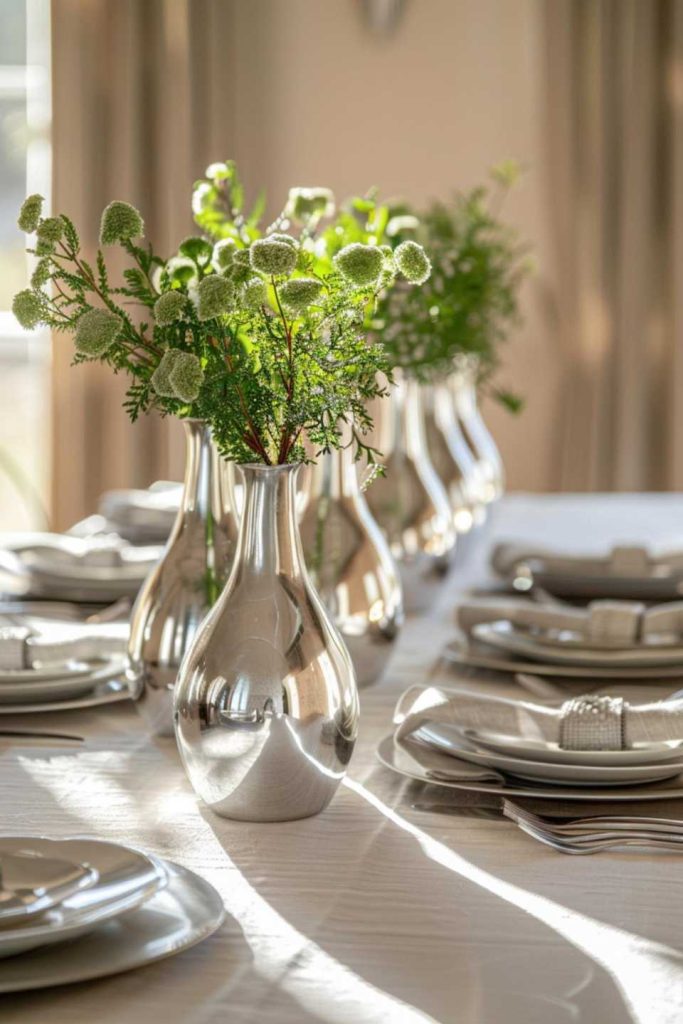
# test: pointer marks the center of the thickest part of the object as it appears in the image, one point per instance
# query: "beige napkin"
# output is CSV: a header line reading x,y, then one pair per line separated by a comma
x,y
23,648
603,623
655,722
626,560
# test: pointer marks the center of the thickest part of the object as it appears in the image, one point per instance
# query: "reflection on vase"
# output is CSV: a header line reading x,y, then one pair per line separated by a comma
x,y
453,459
349,561
186,583
410,502
266,706
463,387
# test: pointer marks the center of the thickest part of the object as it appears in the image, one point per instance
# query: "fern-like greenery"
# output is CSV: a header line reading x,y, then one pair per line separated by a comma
x,y
261,334
470,303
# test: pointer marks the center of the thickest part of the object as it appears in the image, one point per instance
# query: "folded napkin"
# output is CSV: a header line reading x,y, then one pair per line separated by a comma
x,y
604,623
142,514
625,560
23,648
638,723
52,552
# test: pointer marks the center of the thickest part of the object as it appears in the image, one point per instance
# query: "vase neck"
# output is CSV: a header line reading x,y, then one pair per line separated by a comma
x,y
335,475
269,541
206,488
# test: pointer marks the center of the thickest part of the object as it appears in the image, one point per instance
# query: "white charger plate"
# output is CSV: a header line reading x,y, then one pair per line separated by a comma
x,y
393,758
108,692
126,879
543,750
450,740
503,635
62,687
187,911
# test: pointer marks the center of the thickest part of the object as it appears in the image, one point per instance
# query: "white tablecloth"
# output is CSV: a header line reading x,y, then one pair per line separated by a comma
x,y
374,912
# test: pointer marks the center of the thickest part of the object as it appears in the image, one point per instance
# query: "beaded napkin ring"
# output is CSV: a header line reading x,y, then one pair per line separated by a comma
x,y
592,723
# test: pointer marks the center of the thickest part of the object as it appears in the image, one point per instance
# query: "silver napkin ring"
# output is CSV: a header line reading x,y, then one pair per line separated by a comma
x,y
592,723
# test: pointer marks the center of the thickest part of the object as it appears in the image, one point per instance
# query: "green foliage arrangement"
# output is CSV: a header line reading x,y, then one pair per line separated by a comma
x,y
259,333
470,302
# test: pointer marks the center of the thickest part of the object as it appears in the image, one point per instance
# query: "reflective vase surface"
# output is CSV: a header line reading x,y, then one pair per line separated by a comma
x,y
186,583
410,502
266,705
349,561
464,391
453,459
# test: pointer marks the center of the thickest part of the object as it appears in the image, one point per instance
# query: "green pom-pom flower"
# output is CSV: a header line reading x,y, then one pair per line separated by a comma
x,y
305,204
402,224
161,377
41,273
240,271
27,307
215,296
223,255
360,264
186,376
254,293
273,257
412,261
196,249
298,294
278,236
169,307
180,270
30,212
120,222
96,331
50,229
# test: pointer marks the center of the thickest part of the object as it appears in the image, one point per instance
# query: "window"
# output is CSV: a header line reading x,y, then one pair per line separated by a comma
x,y
24,355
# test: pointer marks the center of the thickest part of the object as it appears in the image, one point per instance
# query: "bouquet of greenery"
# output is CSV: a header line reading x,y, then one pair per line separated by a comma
x,y
470,302
248,330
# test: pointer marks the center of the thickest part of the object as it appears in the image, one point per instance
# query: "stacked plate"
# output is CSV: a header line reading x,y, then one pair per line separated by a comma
x,y
133,908
48,664
629,572
96,569
142,516
442,747
607,639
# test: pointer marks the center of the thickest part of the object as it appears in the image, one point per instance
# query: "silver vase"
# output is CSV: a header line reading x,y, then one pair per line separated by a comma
x,y
453,459
349,561
464,391
410,502
266,705
186,583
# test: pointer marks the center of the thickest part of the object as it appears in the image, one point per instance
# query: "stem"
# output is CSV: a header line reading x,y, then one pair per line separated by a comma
x,y
254,442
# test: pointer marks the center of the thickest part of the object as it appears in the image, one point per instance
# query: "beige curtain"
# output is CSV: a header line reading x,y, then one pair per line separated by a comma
x,y
614,101
142,102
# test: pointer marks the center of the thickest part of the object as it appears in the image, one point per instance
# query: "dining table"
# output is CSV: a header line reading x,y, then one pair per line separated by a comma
x,y
392,906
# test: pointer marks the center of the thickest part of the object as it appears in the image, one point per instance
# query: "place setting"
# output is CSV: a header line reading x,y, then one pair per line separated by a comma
x,y
75,909
598,751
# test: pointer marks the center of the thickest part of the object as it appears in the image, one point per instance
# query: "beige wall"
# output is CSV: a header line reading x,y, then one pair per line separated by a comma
x,y
458,87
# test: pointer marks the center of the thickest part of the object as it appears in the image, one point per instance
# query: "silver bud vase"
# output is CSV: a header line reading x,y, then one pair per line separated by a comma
x,y
186,582
410,502
266,705
464,391
349,561
453,459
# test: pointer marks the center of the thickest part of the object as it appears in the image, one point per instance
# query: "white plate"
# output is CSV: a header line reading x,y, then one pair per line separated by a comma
x,y
477,656
449,739
71,669
32,884
61,688
108,692
183,914
542,750
503,635
127,878
397,761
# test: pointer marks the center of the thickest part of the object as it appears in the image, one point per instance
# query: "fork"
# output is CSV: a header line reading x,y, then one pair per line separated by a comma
x,y
577,847
584,826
